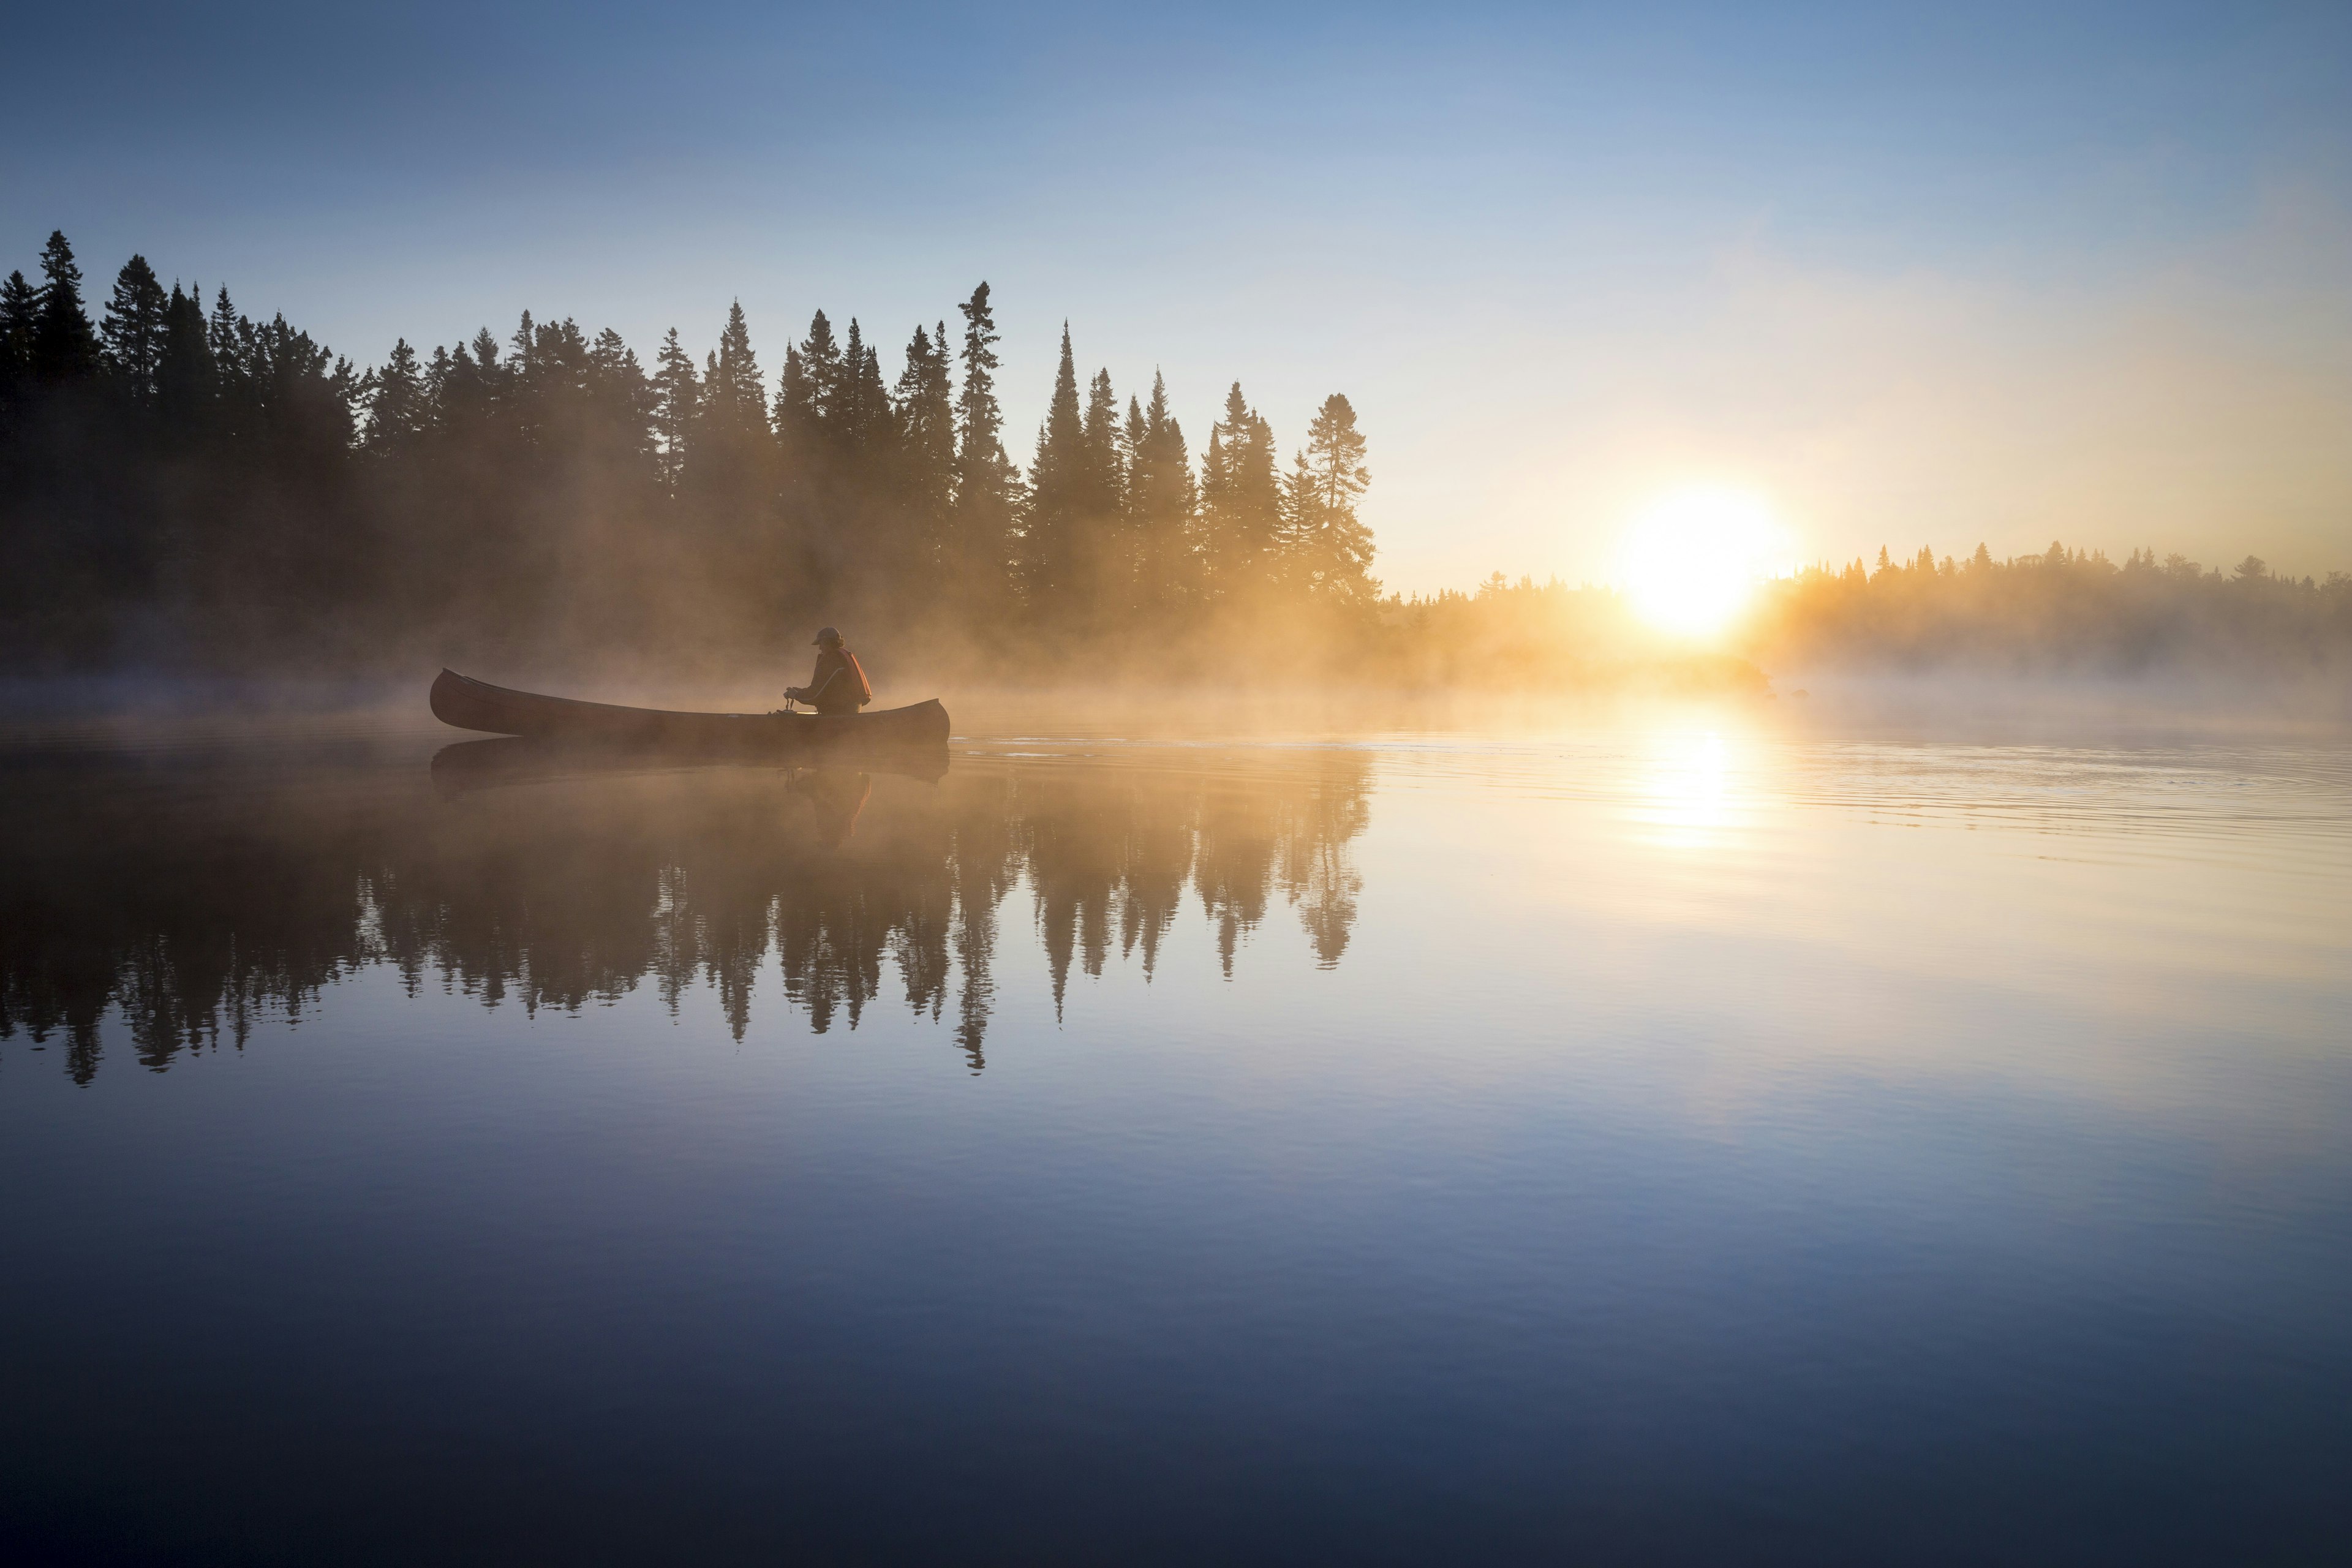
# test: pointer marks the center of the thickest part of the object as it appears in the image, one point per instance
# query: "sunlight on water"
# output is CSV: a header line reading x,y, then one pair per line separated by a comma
x,y
1687,797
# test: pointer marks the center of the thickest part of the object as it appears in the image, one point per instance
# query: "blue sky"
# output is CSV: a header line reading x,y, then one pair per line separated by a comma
x,y
1924,276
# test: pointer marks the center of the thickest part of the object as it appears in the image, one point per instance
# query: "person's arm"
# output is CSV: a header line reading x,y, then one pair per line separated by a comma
x,y
819,690
808,693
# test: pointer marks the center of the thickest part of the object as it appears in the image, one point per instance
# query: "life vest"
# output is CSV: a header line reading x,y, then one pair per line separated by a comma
x,y
847,670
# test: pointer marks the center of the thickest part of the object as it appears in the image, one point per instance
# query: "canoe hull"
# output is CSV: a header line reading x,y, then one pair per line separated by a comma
x,y
469,704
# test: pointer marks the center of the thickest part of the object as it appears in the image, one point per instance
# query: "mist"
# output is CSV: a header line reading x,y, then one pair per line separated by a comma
x,y
188,491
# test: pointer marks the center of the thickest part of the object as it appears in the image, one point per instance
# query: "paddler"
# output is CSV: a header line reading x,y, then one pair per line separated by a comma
x,y
839,685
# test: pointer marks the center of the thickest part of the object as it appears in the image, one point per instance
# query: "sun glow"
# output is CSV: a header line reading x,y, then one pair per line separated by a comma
x,y
1691,561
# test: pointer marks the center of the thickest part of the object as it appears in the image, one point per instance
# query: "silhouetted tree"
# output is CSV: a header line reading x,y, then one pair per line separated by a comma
x,y
1058,490
987,484
677,405
63,347
133,330
1162,504
925,445
1241,500
1326,547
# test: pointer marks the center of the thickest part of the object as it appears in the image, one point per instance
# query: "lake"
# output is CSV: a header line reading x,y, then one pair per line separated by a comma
x,y
1705,1136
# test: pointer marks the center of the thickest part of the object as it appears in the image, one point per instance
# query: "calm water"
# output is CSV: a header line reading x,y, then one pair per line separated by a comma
x,y
1685,1141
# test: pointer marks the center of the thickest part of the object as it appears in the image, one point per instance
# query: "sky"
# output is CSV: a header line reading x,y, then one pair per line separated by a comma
x,y
1909,275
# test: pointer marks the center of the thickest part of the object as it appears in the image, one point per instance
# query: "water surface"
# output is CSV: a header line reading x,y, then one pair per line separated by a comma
x,y
1701,1139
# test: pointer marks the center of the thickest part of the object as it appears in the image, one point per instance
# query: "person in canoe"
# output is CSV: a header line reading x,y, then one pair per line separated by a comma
x,y
839,685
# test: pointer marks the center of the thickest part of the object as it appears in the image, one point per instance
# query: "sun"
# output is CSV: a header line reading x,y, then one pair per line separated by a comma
x,y
1690,560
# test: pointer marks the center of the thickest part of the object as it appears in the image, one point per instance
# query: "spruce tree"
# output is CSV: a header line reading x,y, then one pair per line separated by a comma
x,y
820,375
1241,502
1103,468
676,397
862,414
1059,490
20,305
622,402
1329,550
184,372
733,394
396,402
986,480
65,349
1163,504
221,335
926,444
134,330
795,416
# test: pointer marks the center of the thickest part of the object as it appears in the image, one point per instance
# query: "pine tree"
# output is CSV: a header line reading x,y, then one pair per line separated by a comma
x,y
134,330
622,402
862,414
63,347
1241,502
396,402
1057,491
1163,504
677,398
986,481
820,378
796,415
184,372
20,305
1329,549
926,444
230,338
1102,467
734,398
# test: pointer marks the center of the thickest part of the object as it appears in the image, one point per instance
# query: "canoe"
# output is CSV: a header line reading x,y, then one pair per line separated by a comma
x,y
471,704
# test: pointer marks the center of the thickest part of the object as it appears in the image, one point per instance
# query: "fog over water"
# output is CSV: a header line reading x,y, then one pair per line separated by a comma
x,y
1743,1129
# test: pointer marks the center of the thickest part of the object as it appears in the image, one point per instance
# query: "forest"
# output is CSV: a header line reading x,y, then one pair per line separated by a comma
x,y
185,486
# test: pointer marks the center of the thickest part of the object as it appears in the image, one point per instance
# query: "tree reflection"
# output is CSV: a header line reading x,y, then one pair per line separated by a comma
x,y
189,909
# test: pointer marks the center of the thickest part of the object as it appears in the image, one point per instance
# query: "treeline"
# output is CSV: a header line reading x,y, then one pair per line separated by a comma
x,y
179,480
183,484
2061,612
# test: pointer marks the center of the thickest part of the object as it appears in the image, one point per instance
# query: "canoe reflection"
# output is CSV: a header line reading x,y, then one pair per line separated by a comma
x,y
180,912
511,760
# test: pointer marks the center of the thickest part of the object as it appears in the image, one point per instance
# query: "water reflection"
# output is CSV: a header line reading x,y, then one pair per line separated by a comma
x,y
1688,801
195,902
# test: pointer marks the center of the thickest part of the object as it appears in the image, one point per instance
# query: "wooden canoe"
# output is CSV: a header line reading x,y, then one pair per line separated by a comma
x,y
471,704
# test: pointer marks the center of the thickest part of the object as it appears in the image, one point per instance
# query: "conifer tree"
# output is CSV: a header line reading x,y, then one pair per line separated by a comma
x,y
676,397
1329,549
184,372
20,305
63,347
396,402
820,379
862,414
1059,490
134,330
1241,502
222,337
795,417
986,480
926,444
1102,467
621,400
1163,504
734,399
